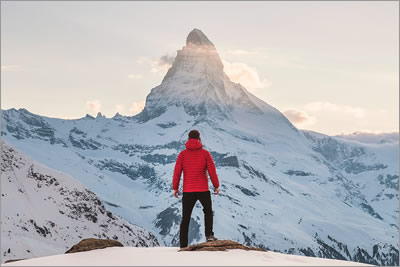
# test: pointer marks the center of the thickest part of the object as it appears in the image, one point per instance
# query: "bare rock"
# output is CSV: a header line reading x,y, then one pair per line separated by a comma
x,y
219,245
12,260
93,243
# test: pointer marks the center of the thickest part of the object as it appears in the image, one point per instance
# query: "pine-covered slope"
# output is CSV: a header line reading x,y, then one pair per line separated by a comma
x,y
281,188
45,212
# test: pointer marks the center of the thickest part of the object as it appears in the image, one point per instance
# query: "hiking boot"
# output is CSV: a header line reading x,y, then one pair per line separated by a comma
x,y
211,238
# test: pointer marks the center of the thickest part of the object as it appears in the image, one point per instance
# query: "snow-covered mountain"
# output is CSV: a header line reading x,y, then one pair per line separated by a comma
x,y
293,191
45,212
372,138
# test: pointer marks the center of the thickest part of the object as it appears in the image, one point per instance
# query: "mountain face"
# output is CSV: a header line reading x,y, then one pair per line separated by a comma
x,y
197,83
297,192
45,212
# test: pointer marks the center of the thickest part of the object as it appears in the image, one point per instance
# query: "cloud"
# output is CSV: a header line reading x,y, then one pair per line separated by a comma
x,y
299,118
136,107
119,108
135,76
162,64
240,52
245,75
93,105
335,108
10,67
142,60
165,59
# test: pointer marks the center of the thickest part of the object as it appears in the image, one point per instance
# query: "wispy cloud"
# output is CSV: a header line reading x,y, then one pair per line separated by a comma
x,y
93,105
10,67
245,75
142,60
336,108
166,59
120,108
162,64
299,118
136,107
135,76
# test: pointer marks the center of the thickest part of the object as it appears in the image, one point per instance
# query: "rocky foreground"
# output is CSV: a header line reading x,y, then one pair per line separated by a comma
x,y
219,245
217,253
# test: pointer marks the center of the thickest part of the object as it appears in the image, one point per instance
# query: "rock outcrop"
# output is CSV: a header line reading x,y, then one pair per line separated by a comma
x,y
93,243
219,245
12,260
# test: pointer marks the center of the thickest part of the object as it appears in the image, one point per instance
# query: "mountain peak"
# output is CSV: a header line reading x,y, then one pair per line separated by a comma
x,y
99,115
197,82
197,37
198,58
88,116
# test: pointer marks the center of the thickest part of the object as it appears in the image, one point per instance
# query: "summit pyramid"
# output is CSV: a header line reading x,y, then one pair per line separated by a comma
x,y
197,82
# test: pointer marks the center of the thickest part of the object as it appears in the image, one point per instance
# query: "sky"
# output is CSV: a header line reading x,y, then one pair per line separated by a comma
x,y
330,67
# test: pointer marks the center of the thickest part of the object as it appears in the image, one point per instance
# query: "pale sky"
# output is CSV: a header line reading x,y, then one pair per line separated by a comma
x,y
331,67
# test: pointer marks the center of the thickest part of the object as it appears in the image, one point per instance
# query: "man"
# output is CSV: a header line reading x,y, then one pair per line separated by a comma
x,y
194,161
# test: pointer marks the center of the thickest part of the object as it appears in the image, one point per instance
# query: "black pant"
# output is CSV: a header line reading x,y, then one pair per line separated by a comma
x,y
188,201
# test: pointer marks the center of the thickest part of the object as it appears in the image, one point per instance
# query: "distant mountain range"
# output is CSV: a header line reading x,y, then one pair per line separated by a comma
x,y
372,138
293,191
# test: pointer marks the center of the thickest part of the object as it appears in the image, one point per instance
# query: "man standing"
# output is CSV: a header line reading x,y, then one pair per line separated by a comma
x,y
194,161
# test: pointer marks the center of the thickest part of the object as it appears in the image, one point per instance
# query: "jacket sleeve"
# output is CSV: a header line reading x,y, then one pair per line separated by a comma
x,y
211,170
177,172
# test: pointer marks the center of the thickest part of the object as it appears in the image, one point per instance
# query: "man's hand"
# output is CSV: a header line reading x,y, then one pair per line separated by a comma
x,y
216,191
176,193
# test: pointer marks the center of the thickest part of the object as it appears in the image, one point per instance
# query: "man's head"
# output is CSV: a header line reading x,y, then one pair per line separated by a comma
x,y
194,134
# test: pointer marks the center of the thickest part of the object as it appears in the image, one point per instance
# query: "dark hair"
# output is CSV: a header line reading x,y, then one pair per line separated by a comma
x,y
194,134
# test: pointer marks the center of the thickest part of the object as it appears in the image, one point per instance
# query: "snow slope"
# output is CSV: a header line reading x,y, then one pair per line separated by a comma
x,y
297,192
45,212
169,256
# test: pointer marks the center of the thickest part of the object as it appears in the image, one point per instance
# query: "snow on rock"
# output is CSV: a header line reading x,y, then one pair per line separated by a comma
x,y
169,256
45,212
297,192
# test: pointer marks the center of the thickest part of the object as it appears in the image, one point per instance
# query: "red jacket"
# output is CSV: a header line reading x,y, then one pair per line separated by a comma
x,y
194,161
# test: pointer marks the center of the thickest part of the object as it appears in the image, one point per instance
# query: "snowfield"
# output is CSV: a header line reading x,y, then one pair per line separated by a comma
x,y
169,256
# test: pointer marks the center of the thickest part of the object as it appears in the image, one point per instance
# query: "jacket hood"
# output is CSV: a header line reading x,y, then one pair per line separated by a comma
x,y
193,144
